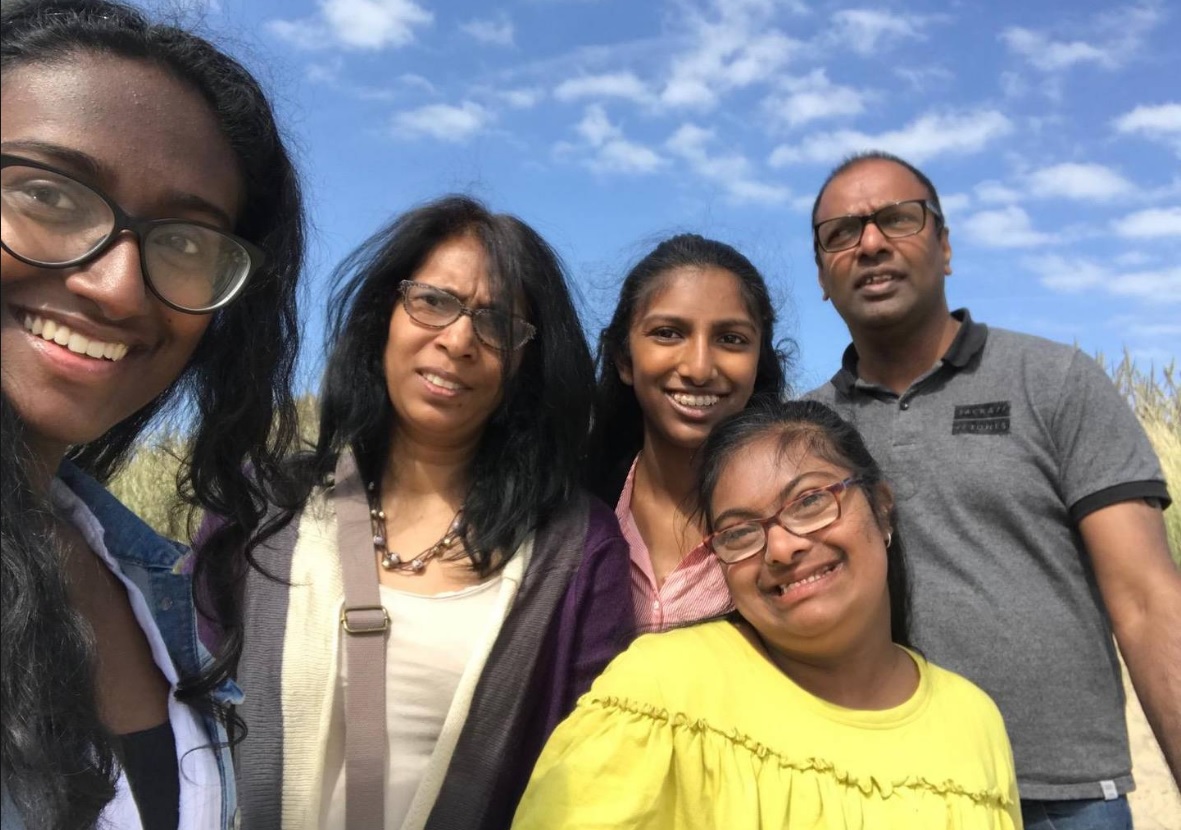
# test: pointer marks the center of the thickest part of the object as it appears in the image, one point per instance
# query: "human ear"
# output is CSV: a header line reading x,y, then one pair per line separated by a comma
x,y
623,367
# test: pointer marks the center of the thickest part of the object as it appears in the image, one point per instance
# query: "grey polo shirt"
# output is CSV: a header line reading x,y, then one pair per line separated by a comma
x,y
994,456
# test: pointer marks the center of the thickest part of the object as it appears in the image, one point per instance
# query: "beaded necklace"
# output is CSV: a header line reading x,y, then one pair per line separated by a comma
x,y
392,561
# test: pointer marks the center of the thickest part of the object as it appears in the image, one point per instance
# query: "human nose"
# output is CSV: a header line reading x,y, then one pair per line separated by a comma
x,y
114,280
697,361
458,338
872,239
783,546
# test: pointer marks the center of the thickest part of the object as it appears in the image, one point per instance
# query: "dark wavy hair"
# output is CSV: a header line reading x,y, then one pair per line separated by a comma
x,y
816,428
873,155
238,381
528,461
56,763
618,431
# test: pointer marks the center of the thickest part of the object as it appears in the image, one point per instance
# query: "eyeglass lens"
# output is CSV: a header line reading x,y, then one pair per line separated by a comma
x,y
810,512
434,307
894,221
51,220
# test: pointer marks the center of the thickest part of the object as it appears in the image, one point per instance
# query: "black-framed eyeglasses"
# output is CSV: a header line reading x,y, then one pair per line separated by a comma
x,y
806,513
51,220
894,221
436,308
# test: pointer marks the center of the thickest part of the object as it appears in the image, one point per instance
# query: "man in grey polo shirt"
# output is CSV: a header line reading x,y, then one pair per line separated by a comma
x,y
1028,495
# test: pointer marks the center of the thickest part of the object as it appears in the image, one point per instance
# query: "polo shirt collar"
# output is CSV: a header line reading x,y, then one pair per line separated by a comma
x,y
968,342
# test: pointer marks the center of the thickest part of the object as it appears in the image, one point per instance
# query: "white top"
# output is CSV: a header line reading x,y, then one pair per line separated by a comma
x,y
431,641
200,782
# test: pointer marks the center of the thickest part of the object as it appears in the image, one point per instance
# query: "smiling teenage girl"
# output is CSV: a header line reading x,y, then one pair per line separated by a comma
x,y
803,709
446,591
151,233
691,341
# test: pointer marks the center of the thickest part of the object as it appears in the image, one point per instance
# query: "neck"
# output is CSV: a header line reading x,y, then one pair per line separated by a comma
x,y
873,673
44,458
895,359
420,468
665,471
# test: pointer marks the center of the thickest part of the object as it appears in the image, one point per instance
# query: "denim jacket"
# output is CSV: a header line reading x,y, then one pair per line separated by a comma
x,y
162,570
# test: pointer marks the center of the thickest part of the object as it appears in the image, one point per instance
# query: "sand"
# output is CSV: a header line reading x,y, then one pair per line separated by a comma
x,y
1156,803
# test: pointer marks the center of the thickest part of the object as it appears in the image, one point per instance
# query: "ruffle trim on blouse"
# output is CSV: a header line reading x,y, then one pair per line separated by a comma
x,y
867,784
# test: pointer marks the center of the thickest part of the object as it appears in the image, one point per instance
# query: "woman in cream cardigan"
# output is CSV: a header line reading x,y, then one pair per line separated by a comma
x,y
441,592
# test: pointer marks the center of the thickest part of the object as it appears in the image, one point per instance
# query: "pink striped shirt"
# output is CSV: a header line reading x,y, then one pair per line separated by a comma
x,y
695,590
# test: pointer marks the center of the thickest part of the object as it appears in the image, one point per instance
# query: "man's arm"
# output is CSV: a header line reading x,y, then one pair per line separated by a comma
x,y
1141,588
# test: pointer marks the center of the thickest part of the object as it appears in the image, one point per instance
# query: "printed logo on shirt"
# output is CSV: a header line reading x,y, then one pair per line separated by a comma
x,y
981,419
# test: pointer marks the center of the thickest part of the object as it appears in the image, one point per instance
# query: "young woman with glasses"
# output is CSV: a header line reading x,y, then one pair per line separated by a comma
x,y
691,342
443,591
151,235
804,707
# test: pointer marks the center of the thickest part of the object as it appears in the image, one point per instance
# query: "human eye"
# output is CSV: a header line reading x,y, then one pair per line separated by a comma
x,y
808,504
180,241
898,217
49,199
839,233
664,334
739,536
734,339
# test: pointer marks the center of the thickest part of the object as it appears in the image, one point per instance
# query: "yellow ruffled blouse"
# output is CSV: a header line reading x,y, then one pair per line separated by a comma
x,y
693,729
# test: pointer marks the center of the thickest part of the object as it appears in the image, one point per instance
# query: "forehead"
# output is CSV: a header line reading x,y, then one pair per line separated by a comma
x,y
697,293
756,475
149,133
458,264
868,185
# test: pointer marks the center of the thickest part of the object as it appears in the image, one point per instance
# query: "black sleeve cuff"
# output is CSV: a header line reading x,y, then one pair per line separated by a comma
x,y
1152,491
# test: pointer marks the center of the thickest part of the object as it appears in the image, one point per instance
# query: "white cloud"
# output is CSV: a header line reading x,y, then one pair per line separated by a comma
x,y
444,122
1150,224
863,30
922,139
733,172
924,79
1008,227
623,85
1058,273
610,152
355,24
994,193
1114,37
811,98
1160,123
498,32
953,203
736,49
1085,182
1050,55
523,98
1164,119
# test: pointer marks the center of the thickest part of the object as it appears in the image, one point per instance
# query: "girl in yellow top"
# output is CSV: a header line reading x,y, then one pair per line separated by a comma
x,y
802,710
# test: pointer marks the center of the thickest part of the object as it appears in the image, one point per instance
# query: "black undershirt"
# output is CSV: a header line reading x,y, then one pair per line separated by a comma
x,y
149,762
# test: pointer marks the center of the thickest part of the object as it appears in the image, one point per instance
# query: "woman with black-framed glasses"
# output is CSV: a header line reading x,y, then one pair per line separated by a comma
x,y
803,708
445,590
142,178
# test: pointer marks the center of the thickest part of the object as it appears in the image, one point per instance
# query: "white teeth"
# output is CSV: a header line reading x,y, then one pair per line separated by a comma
x,y
694,400
72,340
876,278
443,382
816,577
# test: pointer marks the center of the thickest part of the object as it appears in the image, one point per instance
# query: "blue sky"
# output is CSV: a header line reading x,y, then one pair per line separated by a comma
x,y
1052,130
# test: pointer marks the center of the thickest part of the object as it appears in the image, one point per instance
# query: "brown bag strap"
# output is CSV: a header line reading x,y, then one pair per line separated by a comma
x,y
364,623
